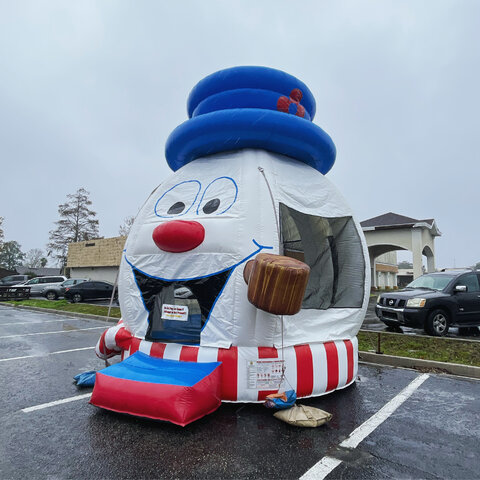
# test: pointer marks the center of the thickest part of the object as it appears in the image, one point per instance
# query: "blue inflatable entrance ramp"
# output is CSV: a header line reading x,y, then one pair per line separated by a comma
x,y
170,390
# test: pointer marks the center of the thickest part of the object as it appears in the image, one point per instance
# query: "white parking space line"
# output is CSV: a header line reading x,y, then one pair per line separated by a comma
x,y
322,468
327,464
72,350
57,331
46,354
65,319
56,402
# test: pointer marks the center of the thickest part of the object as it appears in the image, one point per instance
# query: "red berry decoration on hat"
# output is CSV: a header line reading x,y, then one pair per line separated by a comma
x,y
283,103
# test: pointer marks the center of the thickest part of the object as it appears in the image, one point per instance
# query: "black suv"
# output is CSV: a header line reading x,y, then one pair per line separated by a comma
x,y
434,302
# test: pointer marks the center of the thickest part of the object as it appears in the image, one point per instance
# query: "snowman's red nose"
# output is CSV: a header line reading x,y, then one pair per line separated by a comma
x,y
178,235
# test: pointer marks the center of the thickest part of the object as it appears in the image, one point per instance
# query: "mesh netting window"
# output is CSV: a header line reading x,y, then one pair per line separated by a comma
x,y
331,247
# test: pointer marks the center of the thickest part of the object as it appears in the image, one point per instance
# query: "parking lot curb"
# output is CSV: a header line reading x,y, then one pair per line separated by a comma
x,y
451,368
65,314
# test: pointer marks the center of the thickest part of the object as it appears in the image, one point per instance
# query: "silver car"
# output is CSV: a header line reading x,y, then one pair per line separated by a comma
x,y
38,284
52,292
13,280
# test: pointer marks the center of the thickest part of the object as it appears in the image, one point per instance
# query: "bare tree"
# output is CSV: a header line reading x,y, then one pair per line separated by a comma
x,y
77,223
35,258
127,225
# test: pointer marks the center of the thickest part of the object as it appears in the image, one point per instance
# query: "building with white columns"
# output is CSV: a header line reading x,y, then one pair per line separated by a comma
x,y
390,232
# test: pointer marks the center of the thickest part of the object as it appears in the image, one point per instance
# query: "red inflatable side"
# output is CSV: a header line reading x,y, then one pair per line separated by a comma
x,y
173,403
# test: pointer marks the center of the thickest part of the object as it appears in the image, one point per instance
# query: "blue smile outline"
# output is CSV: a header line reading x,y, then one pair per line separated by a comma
x,y
231,269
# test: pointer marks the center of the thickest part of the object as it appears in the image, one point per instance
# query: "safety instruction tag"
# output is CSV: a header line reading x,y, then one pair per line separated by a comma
x,y
264,374
175,312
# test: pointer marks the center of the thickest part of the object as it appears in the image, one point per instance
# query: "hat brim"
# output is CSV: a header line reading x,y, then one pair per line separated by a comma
x,y
235,129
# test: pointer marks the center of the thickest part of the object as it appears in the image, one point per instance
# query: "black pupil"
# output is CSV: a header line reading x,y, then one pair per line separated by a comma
x,y
211,206
176,208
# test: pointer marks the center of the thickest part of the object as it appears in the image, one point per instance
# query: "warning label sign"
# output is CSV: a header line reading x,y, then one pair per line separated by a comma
x,y
264,374
174,312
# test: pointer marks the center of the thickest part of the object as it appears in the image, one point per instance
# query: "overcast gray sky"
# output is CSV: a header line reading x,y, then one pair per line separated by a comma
x,y
90,90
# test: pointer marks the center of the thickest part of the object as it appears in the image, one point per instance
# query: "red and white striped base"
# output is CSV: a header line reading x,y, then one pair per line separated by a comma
x,y
310,369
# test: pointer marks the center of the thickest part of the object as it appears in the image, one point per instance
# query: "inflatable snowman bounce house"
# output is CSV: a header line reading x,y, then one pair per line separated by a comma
x,y
244,273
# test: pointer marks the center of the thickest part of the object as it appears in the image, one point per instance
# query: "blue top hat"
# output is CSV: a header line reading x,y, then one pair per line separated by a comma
x,y
251,107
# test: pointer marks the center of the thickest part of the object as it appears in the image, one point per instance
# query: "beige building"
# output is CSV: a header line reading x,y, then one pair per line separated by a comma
x,y
391,232
386,270
404,277
97,259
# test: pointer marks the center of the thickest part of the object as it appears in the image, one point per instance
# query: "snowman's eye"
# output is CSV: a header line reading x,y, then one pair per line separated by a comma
x,y
176,208
178,200
219,196
211,206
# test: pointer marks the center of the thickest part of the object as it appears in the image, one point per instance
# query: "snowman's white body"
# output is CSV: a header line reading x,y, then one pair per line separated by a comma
x,y
230,239
251,185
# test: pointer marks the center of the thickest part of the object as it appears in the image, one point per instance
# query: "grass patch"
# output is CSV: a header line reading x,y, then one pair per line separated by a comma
x,y
65,306
425,348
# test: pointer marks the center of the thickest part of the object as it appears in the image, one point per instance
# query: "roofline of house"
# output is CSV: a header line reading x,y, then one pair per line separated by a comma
x,y
419,224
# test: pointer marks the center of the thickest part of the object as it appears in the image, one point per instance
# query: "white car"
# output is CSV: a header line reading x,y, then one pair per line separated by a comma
x,y
38,284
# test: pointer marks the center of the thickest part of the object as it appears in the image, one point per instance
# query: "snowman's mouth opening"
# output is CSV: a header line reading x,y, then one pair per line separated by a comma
x,y
178,309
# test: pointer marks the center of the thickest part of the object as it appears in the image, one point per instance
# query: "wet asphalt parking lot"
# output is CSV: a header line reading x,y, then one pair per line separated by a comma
x,y
393,423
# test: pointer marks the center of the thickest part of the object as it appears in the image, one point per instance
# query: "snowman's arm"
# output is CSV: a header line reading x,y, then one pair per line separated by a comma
x,y
113,341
